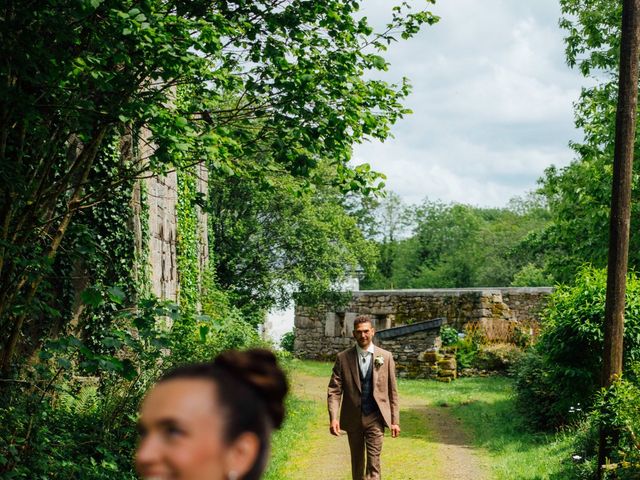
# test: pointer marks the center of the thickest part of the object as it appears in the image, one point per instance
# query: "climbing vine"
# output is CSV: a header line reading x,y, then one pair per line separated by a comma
x,y
187,240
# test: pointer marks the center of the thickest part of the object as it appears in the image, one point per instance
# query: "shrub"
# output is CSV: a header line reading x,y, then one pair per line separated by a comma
x,y
466,350
73,415
531,276
76,433
535,392
567,360
585,448
448,335
524,334
619,408
496,357
286,342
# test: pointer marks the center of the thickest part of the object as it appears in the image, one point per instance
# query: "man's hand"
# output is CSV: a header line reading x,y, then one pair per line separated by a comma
x,y
334,428
395,431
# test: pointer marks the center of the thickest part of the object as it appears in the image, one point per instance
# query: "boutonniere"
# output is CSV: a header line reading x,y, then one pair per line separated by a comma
x,y
378,361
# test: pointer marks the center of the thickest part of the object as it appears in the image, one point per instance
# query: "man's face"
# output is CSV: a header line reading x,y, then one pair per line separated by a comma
x,y
363,333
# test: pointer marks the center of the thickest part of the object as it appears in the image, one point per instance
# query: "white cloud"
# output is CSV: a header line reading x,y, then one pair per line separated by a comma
x,y
492,102
461,172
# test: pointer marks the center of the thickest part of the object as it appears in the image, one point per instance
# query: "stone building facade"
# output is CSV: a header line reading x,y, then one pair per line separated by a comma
x,y
321,332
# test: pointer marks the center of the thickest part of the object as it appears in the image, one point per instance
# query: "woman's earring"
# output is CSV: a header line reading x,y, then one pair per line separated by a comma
x,y
232,475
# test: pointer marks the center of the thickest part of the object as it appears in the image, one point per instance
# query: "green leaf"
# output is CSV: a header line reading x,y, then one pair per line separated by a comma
x,y
116,295
111,342
378,62
64,363
129,370
44,355
203,330
92,297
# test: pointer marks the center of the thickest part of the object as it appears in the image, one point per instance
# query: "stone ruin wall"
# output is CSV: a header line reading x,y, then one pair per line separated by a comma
x,y
322,332
415,355
162,198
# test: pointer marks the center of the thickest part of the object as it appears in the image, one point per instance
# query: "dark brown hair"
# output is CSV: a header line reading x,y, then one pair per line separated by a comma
x,y
361,319
251,389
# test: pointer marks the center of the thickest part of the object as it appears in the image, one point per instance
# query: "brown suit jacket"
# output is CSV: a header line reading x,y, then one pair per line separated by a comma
x,y
345,386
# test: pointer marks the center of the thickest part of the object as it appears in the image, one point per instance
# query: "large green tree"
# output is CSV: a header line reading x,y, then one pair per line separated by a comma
x,y
272,239
579,195
77,75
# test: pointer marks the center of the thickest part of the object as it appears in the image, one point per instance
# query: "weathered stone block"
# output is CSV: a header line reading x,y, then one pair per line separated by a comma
x,y
447,373
304,322
430,356
447,364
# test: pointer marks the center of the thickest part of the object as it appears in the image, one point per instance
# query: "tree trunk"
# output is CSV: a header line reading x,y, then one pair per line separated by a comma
x,y
88,156
620,207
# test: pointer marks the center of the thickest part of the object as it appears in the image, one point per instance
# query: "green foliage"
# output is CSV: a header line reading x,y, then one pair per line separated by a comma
x,y
567,359
531,276
467,349
497,357
280,93
537,394
80,402
593,34
448,335
187,240
584,439
474,351
579,195
456,245
618,408
269,240
131,89
286,342
43,437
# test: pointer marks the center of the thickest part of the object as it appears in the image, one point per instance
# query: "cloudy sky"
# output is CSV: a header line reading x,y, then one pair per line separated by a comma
x,y
492,101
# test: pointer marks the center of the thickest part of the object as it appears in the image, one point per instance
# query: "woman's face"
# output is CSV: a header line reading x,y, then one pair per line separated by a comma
x,y
181,433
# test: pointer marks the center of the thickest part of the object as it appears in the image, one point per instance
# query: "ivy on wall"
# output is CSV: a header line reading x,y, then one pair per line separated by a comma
x,y
142,271
187,241
99,254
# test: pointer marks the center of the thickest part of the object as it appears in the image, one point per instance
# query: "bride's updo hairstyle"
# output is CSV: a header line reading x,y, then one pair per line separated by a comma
x,y
251,389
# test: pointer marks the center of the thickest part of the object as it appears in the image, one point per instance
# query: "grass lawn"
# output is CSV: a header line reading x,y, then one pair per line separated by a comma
x,y
486,409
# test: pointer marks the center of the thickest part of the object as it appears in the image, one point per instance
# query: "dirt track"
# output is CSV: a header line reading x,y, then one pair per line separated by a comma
x,y
432,445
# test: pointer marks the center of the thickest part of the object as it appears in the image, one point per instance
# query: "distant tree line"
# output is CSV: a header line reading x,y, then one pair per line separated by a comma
x,y
439,245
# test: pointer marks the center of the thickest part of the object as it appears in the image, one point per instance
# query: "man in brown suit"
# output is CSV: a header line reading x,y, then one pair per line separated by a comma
x,y
364,379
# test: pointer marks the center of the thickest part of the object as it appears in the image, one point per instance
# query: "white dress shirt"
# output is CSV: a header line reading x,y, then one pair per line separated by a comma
x,y
364,358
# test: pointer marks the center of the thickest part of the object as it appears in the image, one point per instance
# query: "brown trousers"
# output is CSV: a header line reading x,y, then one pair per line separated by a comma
x,y
367,439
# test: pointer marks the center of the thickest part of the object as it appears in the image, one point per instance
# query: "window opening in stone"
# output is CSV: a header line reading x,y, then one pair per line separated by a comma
x,y
380,321
340,328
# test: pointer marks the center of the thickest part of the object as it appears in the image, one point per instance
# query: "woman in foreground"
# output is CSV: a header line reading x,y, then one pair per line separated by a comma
x,y
212,420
